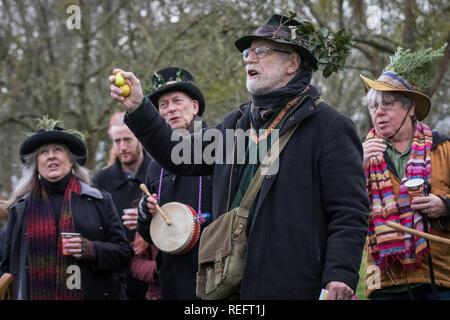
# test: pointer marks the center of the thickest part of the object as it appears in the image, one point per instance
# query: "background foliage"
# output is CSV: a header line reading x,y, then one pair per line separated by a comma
x,y
48,69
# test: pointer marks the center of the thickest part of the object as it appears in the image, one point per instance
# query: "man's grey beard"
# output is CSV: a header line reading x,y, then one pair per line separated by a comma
x,y
264,86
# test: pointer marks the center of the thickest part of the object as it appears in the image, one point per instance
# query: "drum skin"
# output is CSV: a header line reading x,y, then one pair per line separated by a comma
x,y
182,235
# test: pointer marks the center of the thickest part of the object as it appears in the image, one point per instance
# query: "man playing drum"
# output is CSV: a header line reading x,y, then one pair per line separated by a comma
x,y
181,104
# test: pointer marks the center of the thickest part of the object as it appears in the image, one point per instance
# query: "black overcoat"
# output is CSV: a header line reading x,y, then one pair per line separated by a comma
x,y
311,215
96,218
125,191
177,273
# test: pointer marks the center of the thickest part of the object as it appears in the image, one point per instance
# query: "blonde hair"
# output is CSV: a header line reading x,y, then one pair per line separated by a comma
x,y
116,120
112,157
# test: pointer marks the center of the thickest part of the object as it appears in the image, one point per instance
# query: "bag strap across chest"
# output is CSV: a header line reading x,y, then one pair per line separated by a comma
x,y
255,184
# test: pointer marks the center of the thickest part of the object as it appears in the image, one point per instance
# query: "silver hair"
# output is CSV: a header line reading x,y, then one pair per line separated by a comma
x,y
385,97
30,172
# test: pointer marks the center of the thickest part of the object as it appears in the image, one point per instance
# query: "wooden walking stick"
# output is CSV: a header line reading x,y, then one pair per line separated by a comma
x,y
158,208
418,233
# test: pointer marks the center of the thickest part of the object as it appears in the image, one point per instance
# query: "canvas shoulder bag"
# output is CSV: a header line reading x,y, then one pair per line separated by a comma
x,y
223,244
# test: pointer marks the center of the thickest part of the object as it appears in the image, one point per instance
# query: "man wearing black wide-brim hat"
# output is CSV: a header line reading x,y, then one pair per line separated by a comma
x,y
176,79
306,228
180,103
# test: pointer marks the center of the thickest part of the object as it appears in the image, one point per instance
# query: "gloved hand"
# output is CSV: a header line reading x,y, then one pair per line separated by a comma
x,y
143,211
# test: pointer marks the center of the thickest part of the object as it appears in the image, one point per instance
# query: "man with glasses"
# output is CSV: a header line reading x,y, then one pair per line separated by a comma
x,y
181,104
400,148
307,226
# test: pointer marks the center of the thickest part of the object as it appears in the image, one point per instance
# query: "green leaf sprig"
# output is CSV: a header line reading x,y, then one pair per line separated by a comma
x,y
330,49
179,77
47,124
418,68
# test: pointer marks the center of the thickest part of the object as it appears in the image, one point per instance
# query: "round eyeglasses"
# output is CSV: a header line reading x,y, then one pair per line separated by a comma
x,y
260,52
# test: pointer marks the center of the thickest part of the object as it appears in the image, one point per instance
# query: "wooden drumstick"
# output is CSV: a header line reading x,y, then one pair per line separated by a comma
x,y
418,233
158,208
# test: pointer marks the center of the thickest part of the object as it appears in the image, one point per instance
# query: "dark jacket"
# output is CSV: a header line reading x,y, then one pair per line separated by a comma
x,y
2,241
311,216
440,253
96,218
124,191
177,273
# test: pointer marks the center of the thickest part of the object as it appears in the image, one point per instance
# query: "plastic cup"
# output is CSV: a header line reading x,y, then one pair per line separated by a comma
x,y
65,236
415,188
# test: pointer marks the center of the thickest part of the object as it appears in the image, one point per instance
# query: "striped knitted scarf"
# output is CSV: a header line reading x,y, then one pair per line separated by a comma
x,y
47,265
385,244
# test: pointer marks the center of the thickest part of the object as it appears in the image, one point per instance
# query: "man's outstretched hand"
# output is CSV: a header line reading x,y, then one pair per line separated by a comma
x,y
134,100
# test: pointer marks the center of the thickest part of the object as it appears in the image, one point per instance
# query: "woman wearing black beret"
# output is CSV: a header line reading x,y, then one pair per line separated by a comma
x,y
53,197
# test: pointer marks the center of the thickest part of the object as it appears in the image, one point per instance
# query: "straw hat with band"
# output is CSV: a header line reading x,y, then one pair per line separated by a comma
x,y
48,132
409,73
175,79
277,29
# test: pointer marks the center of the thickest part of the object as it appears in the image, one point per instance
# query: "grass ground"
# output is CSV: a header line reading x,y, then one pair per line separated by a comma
x,y
362,271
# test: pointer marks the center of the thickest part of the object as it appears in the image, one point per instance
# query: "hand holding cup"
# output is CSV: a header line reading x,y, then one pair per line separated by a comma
x,y
431,205
72,244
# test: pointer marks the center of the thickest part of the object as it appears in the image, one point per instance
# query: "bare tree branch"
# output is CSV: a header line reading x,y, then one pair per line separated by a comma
x,y
374,44
442,69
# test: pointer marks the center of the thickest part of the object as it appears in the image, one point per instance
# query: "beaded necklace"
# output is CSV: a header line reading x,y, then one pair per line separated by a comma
x,y
200,216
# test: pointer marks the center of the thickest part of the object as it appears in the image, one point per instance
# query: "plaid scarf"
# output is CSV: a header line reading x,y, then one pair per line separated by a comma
x,y
47,264
386,244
